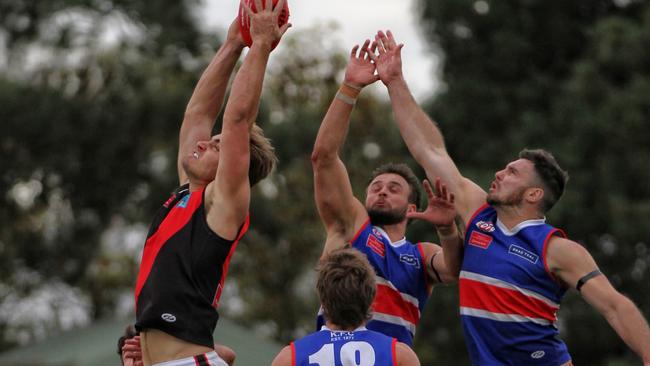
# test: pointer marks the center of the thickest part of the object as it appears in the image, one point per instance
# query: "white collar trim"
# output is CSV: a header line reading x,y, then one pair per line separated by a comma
x,y
519,226
394,244
324,327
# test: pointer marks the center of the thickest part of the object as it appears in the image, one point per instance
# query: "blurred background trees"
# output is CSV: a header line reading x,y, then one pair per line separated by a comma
x,y
93,92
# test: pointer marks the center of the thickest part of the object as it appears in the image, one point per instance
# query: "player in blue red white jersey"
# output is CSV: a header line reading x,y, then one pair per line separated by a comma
x,y
192,238
516,268
405,271
346,288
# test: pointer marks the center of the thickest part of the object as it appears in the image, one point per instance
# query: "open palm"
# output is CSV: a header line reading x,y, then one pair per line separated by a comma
x,y
440,210
360,70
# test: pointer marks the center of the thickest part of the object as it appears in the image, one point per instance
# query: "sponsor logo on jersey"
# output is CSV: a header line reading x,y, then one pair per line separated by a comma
x,y
523,253
537,354
410,259
169,318
376,245
169,200
480,240
485,226
183,202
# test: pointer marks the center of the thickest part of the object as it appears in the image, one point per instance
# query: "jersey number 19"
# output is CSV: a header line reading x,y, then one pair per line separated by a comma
x,y
351,354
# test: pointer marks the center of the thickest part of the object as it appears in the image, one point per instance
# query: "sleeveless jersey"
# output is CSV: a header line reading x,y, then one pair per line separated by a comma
x,y
508,298
403,286
184,265
344,348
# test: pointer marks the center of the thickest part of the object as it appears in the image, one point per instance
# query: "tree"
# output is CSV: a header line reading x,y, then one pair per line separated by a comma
x,y
571,77
89,133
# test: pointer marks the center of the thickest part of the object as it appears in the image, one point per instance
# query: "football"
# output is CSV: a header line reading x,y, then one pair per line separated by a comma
x,y
244,21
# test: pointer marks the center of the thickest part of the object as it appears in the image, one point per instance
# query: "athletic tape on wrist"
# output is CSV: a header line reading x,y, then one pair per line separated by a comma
x,y
345,98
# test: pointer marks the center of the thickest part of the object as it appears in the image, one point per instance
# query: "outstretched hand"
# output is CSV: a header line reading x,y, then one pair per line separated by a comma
x,y
360,71
388,58
264,21
440,210
234,34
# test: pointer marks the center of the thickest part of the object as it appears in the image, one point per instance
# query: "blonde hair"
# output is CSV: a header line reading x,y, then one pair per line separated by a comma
x,y
262,156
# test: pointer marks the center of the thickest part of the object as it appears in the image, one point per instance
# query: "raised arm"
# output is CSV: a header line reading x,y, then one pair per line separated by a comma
x,y
230,190
339,210
443,265
421,135
575,267
208,96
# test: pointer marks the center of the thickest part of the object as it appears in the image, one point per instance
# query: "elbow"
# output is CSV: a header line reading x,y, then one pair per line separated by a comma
x,y
235,119
452,277
320,157
237,116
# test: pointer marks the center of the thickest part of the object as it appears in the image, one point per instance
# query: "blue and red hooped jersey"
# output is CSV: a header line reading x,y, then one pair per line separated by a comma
x,y
343,348
184,266
403,286
508,298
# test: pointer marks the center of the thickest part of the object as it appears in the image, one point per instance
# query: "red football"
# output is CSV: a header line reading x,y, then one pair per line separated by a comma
x,y
244,22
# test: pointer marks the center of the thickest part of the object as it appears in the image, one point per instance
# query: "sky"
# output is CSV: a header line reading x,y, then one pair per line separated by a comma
x,y
396,15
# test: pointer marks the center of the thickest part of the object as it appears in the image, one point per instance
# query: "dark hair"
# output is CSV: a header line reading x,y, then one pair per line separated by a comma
x,y
262,156
553,178
415,196
129,333
346,287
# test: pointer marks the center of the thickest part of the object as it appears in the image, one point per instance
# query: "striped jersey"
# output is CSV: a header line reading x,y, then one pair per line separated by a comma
x,y
508,298
403,286
183,269
344,348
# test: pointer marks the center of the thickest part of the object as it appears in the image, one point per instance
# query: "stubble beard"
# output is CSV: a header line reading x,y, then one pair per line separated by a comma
x,y
514,199
386,217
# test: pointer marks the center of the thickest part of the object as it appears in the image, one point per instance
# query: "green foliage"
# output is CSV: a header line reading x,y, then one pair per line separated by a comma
x,y
571,77
90,138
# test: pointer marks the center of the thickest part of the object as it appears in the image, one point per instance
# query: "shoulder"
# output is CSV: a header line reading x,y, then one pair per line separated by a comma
x,y
284,358
405,355
563,250
568,260
429,249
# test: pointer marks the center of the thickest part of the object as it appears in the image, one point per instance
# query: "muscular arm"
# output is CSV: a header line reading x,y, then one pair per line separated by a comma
x,y
570,262
339,210
208,96
422,137
230,190
451,257
443,264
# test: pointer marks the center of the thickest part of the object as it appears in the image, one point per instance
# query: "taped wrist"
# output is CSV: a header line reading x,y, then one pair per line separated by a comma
x,y
348,93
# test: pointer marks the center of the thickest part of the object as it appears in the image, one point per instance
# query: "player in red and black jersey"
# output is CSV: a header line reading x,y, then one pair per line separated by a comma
x,y
194,235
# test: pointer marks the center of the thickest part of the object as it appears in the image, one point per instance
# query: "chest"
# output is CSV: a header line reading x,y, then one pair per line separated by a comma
x,y
517,258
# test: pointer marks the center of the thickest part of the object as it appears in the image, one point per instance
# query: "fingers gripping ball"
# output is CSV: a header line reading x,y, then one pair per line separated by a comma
x,y
244,21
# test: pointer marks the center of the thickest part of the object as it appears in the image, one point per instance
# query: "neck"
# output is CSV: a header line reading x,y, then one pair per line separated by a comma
x,y
396,231
513,215
333,326
196,185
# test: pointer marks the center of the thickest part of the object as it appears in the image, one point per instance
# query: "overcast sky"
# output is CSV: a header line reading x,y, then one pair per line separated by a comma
x,y
396,15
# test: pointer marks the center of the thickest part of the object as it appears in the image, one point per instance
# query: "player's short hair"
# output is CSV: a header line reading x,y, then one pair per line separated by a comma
x,y
552,177
346,287
262,155
403,170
